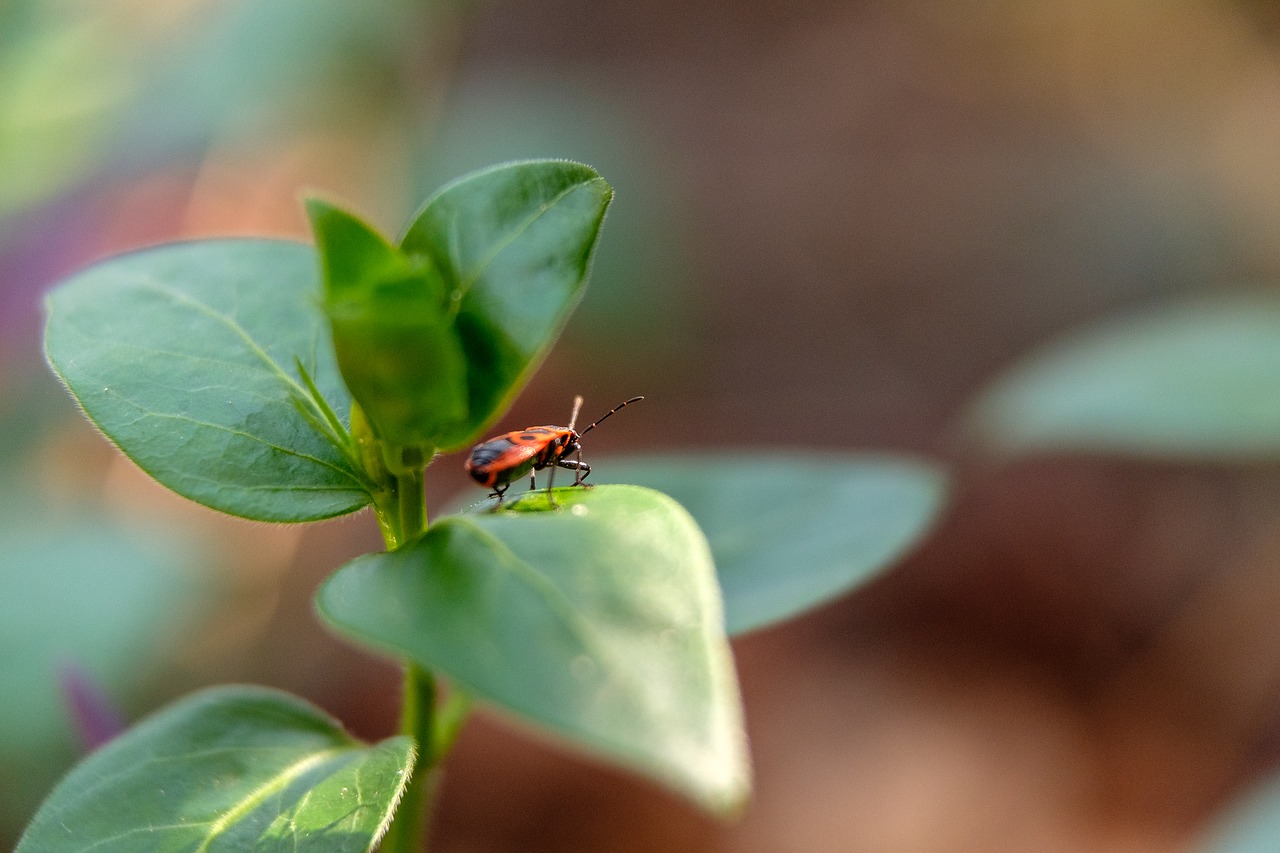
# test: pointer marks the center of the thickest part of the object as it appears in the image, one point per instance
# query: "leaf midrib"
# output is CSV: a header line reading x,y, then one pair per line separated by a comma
x,y
259,795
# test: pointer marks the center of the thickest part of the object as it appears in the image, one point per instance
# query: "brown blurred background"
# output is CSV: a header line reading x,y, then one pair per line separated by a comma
x,y
835,221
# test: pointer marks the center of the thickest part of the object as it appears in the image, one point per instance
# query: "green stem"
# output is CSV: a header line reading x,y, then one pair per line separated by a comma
x,y
417,710
411,506
402,516
408,831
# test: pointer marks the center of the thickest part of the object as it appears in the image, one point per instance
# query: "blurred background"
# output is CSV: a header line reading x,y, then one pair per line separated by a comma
x,y
835,221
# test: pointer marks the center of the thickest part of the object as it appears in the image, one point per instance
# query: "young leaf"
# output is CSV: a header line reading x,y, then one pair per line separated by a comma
x,y
599,621
514,244
790,532
393,332
228,769
1194,380
199,361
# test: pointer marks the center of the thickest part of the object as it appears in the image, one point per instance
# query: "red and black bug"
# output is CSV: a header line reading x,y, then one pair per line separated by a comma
x,y
500,460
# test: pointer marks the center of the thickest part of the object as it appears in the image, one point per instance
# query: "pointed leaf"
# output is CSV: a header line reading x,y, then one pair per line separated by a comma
x,y
514,244
1197,380
194,358
599,621
228,769
791,532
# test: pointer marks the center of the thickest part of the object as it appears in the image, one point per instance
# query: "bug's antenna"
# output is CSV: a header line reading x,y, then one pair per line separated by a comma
x,y
577,407
601,419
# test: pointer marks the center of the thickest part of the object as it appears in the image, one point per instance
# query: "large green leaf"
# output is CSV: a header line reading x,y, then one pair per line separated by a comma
x,y
792,531
194,359
230,769
514,244
1193,380
599,621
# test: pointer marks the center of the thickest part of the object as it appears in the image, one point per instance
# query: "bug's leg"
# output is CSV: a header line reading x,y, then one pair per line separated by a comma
x,y
551,481
499,491
580,469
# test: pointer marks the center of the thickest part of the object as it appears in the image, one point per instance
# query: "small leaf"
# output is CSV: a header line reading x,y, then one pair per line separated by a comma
x,y
188,357
791,532
227,769
599,621
393,332
1194,380
514,244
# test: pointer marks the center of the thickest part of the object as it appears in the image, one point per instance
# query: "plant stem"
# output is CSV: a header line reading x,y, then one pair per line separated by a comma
x,y
401,522
411,506
408,831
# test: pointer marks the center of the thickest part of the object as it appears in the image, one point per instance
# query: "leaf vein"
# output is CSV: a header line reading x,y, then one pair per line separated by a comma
x,y
267,789
237,329
236,432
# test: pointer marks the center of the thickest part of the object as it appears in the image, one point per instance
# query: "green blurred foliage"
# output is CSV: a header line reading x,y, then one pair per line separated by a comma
x,y
1251,825
90,85
1193,380
65,73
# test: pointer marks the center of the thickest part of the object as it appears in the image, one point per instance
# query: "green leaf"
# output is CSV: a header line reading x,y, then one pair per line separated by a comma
x,y
233,769
514,244
392,323
1251,826
1194,380
599,621
792,531
202,362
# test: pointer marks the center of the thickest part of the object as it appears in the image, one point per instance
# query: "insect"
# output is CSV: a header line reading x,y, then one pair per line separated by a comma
x,y
500,460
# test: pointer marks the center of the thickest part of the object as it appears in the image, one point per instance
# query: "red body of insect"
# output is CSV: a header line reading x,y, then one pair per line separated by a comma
x,y
500,460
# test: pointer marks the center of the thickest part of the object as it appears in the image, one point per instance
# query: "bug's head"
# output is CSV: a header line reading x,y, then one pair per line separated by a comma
x,y
570,442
